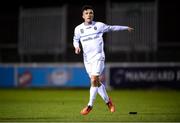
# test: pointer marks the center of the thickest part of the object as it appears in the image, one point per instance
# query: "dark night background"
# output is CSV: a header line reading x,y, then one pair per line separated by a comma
x,y
168,30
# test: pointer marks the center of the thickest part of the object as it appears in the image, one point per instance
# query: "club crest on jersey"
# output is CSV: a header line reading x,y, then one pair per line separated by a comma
x,y
82,31
95,28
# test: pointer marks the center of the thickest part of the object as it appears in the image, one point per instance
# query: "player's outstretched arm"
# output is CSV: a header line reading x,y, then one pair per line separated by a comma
x,y
77,50
130,29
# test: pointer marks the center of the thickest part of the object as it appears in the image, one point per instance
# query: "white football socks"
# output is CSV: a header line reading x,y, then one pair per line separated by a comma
x,y
93,93
102,92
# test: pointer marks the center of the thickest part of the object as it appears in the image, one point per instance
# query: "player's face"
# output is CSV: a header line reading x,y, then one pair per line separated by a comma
x,y
88,16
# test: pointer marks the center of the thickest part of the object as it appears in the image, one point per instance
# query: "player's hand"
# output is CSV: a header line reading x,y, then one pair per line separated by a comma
x,y
77,50
130,29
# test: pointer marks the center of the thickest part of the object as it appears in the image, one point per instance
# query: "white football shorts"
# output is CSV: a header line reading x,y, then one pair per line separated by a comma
x,y
94,68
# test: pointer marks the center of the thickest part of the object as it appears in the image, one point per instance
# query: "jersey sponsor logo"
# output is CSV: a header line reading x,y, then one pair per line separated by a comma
x,y
90,38
87,39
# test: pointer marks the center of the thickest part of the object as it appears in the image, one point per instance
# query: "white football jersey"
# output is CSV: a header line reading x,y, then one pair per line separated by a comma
x,y
91,38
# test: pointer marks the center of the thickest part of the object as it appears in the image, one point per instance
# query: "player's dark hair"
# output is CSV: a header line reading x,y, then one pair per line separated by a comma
x,y
85,7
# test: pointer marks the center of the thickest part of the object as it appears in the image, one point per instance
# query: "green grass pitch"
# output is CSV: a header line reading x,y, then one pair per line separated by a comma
x,y
64,105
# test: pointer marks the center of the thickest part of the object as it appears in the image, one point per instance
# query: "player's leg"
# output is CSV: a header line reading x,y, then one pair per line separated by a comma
x,y
94,70
97,69
102,90
94,77
93,90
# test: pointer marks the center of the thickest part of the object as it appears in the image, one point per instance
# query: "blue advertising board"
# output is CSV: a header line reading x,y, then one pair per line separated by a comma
x,y
145,76
43,76
7,76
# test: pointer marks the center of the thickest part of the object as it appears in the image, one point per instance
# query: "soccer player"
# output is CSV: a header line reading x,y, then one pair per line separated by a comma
x,y
90,35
